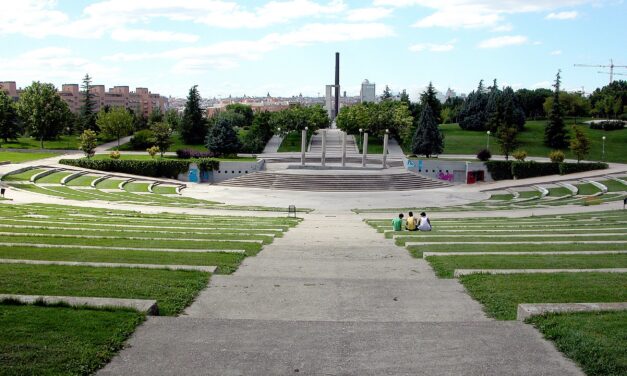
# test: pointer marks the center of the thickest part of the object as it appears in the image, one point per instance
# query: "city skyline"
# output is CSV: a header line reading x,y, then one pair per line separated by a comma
x,y
287,47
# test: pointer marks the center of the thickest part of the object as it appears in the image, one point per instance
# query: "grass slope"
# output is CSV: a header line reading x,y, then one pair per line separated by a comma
x,y
19,156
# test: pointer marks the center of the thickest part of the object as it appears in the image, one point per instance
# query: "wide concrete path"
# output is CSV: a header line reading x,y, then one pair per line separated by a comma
x,y
333,297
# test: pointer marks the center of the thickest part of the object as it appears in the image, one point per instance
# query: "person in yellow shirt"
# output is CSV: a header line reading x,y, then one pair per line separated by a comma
x,y
411,223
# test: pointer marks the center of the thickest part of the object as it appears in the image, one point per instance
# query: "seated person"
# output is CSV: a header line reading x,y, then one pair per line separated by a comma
x,y
425,223
397,223
411,223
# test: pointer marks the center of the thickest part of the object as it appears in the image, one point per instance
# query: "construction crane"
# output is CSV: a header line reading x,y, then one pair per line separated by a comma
x,y
611,66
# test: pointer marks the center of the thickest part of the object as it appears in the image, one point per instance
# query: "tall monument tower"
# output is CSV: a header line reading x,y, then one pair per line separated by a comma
x,y
336,108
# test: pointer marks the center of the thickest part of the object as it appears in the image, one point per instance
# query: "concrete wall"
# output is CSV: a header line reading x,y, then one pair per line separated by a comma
x,y
226,170
442,169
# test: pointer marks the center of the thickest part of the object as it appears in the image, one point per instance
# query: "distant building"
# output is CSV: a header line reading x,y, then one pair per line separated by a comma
x,y
142,101
368,92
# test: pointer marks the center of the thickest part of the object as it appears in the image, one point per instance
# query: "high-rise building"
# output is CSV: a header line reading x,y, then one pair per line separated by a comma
x,y
368,92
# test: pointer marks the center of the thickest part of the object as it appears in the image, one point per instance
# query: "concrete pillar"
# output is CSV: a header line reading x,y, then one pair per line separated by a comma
x,y
303,146
324,147
385,148
343,149
364,153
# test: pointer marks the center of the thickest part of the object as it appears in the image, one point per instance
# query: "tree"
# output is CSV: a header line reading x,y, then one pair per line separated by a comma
x,y
43,111
221,138
573,104
9,125
428,139
87,116
507,137
88,142
555,135
531,102
580,144
193,126
610,100
116,123
387,93
244,110
173,118
450,110
163,136
472,115
156,116
429,98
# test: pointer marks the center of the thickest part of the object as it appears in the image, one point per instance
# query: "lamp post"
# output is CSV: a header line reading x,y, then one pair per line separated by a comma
x,y
303,145
360,131
385,147
603,149
488,142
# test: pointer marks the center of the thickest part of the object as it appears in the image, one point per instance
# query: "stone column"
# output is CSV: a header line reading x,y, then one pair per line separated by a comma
x,y
343,149
364,152
385,148
324,148
303,146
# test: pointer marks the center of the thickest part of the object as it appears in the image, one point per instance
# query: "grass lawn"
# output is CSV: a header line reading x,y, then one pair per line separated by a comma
x,y
445,266
57,340
559,192
458,141
614,186
63,143
587,189
375,144
146,157
24,176
177,143
292,142
173,290
596,341
416,250
19,157
164,190
82,181
501,294
54,178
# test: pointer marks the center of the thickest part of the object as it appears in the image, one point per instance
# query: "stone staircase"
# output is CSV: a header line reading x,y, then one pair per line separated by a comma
x,y
334,143
337,182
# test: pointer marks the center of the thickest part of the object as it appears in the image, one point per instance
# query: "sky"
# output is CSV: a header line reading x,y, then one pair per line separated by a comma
x,y
286,47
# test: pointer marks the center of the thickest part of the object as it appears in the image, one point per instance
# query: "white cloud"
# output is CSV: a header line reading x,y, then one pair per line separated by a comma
x,y
228,54
129,35
433,47
555,52
476,13
562,15
542,85
503,28
507,40
368,14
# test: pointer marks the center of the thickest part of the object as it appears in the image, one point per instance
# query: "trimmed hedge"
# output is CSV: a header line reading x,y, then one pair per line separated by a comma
x,y
571,168
610,125
153,168
531,169
500,170
503,170
189,153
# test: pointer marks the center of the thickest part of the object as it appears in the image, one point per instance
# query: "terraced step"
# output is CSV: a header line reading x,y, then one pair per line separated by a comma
x,y
320,182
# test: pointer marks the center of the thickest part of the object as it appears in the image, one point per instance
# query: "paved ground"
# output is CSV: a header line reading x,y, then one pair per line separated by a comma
x,y
333,297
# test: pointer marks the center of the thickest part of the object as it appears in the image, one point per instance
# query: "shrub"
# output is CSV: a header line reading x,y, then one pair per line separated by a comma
x,y
169,168
519,155
556,156
142,140
571,168
189,153
484,155
610,125
523,170
500,170
88,143
114,154
152,151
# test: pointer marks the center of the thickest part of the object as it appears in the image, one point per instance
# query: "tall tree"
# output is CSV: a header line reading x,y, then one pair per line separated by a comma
x,y
555,135
428,139
43,111
244,110
429,98
163,136
580,144
156,116
404,97
472,115
118,122
221,138
173,118
193,126
387,93
531,102
9,125
87,115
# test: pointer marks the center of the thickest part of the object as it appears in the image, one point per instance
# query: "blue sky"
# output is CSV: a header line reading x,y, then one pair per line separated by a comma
x,y
286,47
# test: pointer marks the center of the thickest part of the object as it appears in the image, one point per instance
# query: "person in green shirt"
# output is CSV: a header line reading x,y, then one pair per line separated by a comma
x,y
397,223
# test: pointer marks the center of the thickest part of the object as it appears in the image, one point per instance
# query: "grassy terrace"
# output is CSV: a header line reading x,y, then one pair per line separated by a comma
x,y
596,341
61,340
108,190
20,157
55,340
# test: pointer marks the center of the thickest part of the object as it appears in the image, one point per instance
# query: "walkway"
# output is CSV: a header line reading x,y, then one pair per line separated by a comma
x,y
333,297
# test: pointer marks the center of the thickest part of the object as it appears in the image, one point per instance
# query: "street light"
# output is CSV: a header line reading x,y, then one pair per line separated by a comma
x,y
603,149
488,143
360,131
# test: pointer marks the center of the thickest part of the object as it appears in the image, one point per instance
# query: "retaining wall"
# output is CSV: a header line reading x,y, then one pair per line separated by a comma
x,y
226,170
457,172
